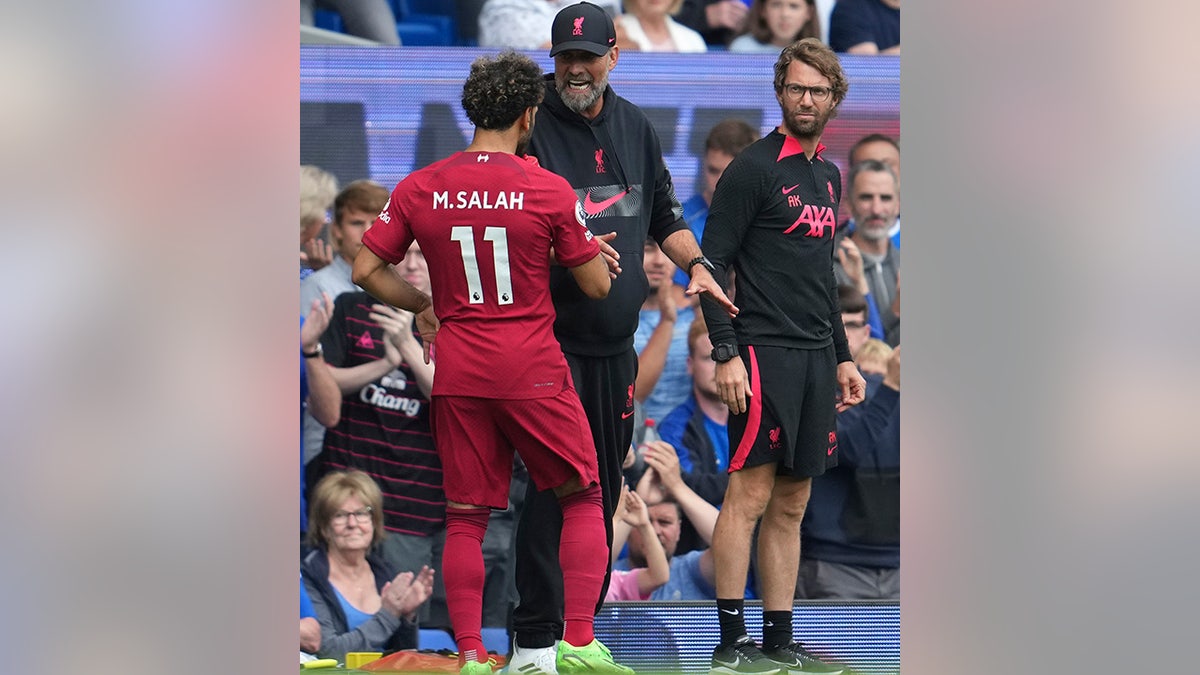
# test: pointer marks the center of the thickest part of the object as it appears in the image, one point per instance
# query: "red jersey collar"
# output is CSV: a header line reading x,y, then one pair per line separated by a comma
x,y
791,146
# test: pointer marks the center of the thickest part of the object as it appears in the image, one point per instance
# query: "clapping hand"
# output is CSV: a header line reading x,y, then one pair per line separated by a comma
x,y
662,458
316,254
633,508
850,258
729,14
397,330
665,294
316,322
403,595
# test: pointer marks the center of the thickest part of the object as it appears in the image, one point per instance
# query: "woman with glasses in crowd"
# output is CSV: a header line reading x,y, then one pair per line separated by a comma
x,y
361,604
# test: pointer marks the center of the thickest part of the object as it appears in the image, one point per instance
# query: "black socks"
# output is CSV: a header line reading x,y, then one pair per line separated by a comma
x,y
777,629
733,623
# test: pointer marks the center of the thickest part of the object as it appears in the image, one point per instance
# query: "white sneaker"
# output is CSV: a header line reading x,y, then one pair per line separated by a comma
x,y
533,660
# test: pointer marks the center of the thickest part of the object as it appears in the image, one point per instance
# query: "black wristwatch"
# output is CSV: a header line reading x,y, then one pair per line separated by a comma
x,y
724,352
313,354
701,260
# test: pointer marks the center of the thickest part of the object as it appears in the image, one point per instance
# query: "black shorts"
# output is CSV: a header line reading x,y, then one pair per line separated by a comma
x,y
791,417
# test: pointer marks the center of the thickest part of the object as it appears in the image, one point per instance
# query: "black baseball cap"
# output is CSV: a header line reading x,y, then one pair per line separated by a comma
x,y
582,26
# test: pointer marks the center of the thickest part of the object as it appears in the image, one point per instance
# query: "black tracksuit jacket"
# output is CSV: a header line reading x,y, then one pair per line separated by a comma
x,y
615,165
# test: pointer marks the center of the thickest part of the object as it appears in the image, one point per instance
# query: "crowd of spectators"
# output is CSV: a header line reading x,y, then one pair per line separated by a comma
x,y
849,26
369,458
377,369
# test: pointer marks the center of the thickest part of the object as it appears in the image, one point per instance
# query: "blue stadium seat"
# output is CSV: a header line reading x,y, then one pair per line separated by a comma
x,y
467,22
412,15
420,34
495,640
328,20
435,639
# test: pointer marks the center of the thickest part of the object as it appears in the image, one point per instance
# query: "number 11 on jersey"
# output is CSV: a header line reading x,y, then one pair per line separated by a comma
x,y
464,235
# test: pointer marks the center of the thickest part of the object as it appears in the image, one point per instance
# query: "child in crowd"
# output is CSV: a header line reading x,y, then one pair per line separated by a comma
x,y
873,357
639,583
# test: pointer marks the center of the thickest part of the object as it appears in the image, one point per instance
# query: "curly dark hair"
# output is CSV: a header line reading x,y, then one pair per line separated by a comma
x,y
500,89
813,52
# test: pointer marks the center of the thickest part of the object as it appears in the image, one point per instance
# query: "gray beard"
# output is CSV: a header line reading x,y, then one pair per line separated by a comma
x,y
578,104
873,235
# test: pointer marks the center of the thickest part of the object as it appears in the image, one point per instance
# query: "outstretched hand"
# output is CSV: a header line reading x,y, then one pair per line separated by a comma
x,y
703,282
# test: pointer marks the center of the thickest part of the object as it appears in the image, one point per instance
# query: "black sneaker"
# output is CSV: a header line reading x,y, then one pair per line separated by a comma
x,y
796,660
743,658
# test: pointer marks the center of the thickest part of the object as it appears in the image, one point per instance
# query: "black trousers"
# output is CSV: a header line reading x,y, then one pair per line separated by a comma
x,y
605,388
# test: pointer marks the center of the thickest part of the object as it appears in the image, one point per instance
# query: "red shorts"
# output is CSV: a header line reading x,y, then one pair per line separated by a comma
x,y
476,437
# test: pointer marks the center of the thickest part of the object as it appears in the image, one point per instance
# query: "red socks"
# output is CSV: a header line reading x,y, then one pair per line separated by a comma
x,y
462,573
583,557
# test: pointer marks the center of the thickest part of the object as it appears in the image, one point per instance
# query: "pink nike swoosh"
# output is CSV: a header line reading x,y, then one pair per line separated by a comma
x,y
787,190
626,415
592,208
829,452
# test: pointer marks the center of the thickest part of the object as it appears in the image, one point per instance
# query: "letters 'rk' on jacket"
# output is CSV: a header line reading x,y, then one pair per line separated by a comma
x,y
772,221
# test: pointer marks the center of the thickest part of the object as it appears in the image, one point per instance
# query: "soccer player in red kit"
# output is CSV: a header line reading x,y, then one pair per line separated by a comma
x,y
489,223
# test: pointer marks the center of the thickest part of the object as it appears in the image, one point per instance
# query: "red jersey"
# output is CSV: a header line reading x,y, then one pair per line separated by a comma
x,y
486,222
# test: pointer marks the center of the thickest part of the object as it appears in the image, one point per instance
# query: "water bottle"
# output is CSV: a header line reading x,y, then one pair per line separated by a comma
x,y
649,434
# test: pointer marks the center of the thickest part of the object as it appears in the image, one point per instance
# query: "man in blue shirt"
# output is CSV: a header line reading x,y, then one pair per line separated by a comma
x,y
669,500
697,427
851,529
725,140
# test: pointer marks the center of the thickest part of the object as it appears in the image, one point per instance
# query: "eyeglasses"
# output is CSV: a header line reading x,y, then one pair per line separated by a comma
x,y
854,324
796,91
343,517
